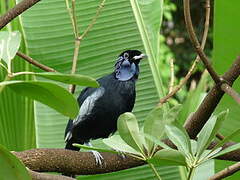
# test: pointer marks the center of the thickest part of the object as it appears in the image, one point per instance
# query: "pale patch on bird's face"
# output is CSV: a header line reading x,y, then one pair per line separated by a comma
x,y
139,57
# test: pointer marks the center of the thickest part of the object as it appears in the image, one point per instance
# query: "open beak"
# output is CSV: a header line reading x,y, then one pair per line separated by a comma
x,y
141,56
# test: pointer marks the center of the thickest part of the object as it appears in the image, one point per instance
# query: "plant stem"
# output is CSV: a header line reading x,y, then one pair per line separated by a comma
x,y
191,173
74,63
6,79
155,171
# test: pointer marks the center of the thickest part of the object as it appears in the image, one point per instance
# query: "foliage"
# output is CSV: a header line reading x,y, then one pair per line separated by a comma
x,y
51,38
12,167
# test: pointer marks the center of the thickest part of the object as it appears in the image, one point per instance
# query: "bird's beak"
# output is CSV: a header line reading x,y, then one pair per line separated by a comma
x,y
141,56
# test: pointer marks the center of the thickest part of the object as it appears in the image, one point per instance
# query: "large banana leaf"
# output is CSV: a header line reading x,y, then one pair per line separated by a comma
x,y
226,49
50,40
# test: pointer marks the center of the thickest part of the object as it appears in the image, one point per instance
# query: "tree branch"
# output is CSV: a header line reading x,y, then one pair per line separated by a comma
x,y
43,176
195,42
200,117
16,11
35,63
73,162
83,163
231,92
226,172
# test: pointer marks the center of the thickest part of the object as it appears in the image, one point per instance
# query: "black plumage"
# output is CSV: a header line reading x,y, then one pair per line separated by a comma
x,y
101,107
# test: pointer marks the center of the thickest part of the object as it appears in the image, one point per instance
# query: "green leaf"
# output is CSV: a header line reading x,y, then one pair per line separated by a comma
x,y
193,146
228,149
194,98
155,122
11,166
148,16
47,93
168,157
204,170
157,141
118,144
226,139
77,79
9,45
209,131
180,138
95,148
173,114
129,131
154,125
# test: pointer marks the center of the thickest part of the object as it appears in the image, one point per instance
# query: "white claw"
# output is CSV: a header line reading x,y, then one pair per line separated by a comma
x,y
98,158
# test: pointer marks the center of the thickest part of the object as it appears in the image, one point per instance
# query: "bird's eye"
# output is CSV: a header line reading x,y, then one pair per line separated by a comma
x,y
126,55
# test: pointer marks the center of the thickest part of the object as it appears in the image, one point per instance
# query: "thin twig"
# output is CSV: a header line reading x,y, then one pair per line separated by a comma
x,y
94,19
226,172
231,92
195,42
220,136
75,26
15,11
171,84
35,63
78,38
74,63
190,71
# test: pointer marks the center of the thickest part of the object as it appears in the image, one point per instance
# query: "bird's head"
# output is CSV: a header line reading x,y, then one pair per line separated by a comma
x,y
126,66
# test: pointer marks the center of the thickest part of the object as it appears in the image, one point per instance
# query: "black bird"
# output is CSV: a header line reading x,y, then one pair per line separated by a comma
x,y
101,107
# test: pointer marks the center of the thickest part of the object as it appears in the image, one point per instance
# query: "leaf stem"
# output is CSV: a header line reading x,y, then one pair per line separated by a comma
x,y
6,79
191,173
155,171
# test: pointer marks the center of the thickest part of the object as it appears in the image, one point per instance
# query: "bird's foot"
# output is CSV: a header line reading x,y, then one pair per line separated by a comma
x,y
121,154
98,158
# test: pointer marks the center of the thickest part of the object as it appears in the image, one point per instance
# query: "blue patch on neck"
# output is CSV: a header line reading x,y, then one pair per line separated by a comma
x,y
126,70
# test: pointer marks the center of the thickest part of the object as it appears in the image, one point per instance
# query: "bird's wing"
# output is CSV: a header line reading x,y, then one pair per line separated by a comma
x,y
86,108
88,104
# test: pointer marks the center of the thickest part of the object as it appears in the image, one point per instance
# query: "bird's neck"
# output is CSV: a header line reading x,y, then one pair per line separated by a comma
x,y
125,73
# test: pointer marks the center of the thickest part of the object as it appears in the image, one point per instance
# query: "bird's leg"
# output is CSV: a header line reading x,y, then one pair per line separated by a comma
x,y
98,157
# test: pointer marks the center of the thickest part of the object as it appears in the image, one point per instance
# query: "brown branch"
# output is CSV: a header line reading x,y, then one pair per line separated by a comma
x,y
83,163
73,162
200,117
35,63
231,92
190,71
15,11
44,176
195,42
226,172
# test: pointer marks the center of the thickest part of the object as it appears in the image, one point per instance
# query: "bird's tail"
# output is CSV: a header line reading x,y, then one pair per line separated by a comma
x,y
69,139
